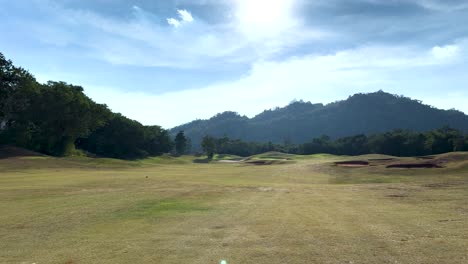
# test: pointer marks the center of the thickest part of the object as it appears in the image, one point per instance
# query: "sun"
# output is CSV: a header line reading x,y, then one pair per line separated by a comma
x,y
263,16
261,12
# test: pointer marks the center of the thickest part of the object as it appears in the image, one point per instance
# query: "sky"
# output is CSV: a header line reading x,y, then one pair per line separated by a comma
x,y
168,62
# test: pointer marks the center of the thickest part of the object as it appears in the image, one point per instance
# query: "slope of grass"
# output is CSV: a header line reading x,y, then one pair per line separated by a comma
x,y
172,210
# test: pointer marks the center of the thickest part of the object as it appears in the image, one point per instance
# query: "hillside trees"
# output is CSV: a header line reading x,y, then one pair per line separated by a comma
x,y
44,117
300,122
395,143
445,139
17,89
56,117
157,141
354,145
61,113
120,137
124,138
322,144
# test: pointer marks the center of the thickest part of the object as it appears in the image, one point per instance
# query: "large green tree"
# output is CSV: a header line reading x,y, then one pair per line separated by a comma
x,y
209,146
62,113
157,141
17,89
124,138
44,117
120,138
180,142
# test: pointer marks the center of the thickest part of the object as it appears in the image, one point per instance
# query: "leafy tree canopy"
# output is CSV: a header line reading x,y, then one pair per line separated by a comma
x,y
56,117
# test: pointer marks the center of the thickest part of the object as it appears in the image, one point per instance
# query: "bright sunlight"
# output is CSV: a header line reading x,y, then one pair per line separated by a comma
x,y
264,18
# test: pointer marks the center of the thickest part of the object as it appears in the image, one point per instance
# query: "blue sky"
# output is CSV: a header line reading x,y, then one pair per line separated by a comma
x,y
168,62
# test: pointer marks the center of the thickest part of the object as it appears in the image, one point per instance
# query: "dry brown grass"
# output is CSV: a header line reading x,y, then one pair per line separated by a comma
x,y
175,211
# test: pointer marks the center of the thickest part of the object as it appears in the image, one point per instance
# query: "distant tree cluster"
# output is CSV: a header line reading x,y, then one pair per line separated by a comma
x,y
225,145
395,143
124,138
56,118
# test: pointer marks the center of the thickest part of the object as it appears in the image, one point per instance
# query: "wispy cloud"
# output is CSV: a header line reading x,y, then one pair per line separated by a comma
x,y
319,50
317,78
183,42
444,5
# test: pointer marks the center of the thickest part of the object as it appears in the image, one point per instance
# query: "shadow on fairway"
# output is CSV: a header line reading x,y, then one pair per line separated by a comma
x,y
201,161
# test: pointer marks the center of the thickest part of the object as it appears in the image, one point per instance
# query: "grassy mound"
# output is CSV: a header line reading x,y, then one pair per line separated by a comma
x,y
12,152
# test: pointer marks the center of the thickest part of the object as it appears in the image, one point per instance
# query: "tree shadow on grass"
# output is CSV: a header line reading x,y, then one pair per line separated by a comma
x,y
206,160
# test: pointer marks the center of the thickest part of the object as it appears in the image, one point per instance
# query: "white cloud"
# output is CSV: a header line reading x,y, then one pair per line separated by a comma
x,y
258,32
445,52
184,42
173,22
184,17
317,78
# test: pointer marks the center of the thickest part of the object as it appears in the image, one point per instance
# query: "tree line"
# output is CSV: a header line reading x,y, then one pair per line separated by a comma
x,y
395,143
57,118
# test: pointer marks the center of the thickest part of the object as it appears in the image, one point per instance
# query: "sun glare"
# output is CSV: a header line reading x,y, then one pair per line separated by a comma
x,y
260,17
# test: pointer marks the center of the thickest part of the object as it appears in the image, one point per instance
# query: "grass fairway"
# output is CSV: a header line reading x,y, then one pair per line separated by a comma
x,y
167,210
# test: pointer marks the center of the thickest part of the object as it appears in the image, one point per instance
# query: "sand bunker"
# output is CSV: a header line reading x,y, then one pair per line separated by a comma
x,y
415,165
229,161
352,163
426,157
267,162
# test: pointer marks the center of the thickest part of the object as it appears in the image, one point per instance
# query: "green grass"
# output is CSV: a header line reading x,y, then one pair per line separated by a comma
x,y
172,210
219,157
149,209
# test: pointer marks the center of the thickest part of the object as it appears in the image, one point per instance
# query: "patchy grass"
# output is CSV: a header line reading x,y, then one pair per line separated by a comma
x,y
273,156
149,209
219,157
172,210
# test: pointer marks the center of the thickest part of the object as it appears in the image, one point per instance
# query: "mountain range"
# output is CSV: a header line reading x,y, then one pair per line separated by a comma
x,y
301,121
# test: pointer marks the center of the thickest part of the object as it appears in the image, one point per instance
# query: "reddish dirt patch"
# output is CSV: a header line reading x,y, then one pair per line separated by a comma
x,y
352,163
426,157
266,162
442,185
397,195
415,166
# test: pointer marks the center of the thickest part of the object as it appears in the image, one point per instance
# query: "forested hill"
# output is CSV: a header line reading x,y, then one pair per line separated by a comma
x,y
300,121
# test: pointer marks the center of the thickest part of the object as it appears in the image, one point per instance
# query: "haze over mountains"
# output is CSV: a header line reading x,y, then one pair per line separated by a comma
x,y
301,121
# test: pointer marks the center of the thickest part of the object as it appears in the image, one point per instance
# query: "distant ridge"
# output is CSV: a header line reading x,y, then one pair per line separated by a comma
x,y
301,121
